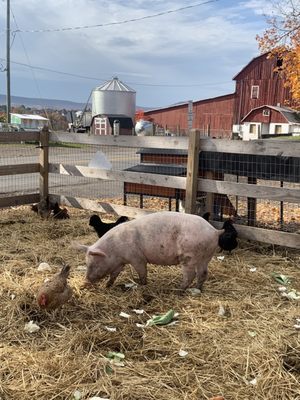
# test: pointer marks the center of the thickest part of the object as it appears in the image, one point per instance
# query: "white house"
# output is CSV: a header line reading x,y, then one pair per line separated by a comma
x,y
267,121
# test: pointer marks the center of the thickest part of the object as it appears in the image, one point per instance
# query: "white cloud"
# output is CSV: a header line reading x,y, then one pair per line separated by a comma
x,y
205,44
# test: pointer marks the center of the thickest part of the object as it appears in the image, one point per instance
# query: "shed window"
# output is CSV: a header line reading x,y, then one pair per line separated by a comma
x,y
266,113
254,92
252,128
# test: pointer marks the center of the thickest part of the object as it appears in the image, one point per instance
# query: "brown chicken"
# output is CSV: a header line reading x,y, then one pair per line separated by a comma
x,y
55,292
60,213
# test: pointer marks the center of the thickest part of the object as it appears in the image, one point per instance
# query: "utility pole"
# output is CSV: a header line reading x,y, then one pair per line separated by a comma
x,y
8,105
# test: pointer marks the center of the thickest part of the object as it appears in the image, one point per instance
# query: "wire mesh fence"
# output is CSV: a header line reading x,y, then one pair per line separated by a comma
x,y
247,204
18,154
117,158
270,171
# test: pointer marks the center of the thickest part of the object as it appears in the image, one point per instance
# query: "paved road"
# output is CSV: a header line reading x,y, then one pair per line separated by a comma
x,y
120,158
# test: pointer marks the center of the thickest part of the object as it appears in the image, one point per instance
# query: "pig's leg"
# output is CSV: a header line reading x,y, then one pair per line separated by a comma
x,y
188,275
141,268
113,276
201,273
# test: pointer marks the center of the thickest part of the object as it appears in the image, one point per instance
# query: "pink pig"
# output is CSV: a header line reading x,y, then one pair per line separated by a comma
x,y
162,238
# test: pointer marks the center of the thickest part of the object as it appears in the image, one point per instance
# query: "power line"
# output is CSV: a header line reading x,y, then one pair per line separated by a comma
x,y
106,79
30,66
118,22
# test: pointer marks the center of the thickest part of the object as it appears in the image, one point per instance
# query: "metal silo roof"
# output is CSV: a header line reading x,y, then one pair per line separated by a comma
x,y
115,85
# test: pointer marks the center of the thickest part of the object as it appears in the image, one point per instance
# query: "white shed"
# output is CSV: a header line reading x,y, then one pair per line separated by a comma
x,y
267,121
29,122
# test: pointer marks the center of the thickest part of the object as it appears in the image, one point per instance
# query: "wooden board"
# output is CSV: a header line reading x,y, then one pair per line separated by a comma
x,y
162,142
97,206
15,137
265,235
245,232
204,185
257,147
19,169
120,176
19,200
247,190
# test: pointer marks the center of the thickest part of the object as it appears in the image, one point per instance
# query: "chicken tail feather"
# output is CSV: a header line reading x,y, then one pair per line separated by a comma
x,y
65,271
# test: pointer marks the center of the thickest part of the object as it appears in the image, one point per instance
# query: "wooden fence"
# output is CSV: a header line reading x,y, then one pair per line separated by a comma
x,y
191,183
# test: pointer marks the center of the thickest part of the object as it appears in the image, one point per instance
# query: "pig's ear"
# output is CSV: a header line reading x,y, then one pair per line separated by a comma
x,y
80,247
96,253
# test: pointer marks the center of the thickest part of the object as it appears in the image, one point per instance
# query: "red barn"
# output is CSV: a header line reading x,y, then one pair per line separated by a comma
x,y
172,118
213,117
257,84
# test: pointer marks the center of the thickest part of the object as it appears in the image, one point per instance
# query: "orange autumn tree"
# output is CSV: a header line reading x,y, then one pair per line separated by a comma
x,y
282,40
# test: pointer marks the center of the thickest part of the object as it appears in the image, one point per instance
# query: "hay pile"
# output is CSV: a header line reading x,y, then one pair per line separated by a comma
x,y
250,352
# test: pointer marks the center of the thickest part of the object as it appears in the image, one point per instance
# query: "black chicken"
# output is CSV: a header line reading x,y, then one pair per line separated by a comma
x,y
102,227
206,216
228,239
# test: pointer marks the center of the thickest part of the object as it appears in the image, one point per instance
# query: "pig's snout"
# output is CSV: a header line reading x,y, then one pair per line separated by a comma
x,y
92,275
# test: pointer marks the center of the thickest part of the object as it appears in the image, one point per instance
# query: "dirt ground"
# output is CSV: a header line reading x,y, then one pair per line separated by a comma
x,y
239,334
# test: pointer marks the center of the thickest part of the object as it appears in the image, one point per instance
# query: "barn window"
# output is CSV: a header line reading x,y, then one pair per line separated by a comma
x,y
278,129
252,128
254,92
266,113
279,63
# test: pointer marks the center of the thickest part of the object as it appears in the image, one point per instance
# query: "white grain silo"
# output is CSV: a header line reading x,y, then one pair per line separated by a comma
x,y
113,98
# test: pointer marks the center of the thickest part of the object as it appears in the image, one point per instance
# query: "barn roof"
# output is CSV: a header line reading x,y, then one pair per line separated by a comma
x,y
291,116
179,104
185,103
261,56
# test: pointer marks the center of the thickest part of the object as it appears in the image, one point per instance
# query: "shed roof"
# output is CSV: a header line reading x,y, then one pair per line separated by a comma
x,y
162,169
30,116
291,116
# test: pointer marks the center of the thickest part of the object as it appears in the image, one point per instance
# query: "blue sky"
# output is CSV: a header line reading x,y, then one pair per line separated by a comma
x,y
191,54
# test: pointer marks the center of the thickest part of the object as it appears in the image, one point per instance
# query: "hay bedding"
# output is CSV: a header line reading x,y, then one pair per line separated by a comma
x,y
255,339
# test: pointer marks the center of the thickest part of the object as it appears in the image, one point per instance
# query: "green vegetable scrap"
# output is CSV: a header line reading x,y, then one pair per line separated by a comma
x,y
115,356
161,319
115,359
292,295
282,279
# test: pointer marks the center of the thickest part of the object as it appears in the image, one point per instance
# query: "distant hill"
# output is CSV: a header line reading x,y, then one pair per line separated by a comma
x,y
48,103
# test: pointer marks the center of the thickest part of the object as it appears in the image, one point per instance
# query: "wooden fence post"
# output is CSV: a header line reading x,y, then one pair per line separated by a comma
x,y
44,164
192,171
